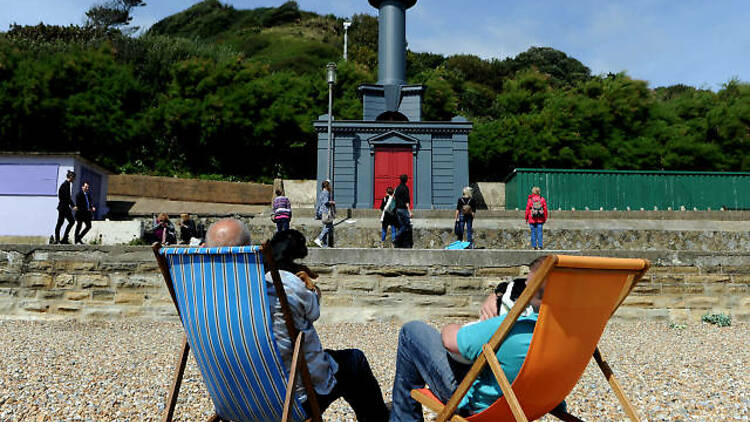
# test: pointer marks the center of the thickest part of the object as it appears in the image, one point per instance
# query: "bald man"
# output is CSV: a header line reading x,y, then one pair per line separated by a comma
x,y
227,232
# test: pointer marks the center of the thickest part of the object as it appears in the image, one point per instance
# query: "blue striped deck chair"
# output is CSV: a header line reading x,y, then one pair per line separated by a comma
x,y
222,301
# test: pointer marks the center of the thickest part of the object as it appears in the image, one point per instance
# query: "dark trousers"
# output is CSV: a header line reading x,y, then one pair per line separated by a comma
x,y
79,234
282,224
63,214
357,385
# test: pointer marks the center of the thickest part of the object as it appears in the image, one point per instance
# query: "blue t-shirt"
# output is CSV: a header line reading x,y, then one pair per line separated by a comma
x,y
511,355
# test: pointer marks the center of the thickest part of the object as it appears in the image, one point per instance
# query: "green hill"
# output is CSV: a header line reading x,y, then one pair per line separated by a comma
x,y
218,92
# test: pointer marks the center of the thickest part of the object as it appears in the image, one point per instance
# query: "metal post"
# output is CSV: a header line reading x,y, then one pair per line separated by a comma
x,y
346,40
331,79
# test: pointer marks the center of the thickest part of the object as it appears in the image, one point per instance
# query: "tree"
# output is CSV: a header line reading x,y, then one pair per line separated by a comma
x,y
113,14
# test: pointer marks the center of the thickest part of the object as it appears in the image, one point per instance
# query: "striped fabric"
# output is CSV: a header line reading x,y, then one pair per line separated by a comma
x,y
223,302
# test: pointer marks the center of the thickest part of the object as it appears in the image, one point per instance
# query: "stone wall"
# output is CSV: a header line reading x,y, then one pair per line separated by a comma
x,y
358,284
189,189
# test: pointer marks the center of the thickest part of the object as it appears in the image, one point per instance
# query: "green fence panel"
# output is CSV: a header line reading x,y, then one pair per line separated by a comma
x,y
623,189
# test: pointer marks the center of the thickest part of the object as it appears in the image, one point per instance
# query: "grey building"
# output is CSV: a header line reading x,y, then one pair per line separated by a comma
x,y
391,139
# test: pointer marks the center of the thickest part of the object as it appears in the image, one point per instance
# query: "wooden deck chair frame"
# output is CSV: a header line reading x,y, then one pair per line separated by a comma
x,y
299,364
488,356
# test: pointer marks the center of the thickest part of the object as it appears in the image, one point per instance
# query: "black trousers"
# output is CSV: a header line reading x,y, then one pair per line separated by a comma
x,y
79,234
64,214
357,385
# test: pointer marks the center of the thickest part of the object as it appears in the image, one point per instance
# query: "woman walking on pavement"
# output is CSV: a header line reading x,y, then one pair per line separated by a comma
x,y
536,216
325,212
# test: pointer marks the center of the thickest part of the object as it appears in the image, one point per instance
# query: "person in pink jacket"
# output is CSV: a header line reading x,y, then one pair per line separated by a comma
x,y
536,216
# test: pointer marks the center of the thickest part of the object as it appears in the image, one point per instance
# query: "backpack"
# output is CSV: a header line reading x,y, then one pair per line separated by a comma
x,y
465,208
537,210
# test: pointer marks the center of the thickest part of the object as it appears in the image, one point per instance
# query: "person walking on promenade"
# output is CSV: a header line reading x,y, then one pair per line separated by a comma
x,y
84,212
403,212
282,211
65,208
325,211
536,216
388,216
466,209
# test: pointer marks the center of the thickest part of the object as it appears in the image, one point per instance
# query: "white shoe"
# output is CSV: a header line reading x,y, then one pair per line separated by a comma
x,y
318,242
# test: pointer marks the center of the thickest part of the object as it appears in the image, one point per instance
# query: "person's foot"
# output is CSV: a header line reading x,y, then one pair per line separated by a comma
x,y
65,241
318,242
79,242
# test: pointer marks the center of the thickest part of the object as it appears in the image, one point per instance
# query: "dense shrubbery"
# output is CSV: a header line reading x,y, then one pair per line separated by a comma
x,y
219,92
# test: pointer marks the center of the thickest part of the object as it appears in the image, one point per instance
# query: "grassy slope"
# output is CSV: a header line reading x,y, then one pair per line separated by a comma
x,y
283,37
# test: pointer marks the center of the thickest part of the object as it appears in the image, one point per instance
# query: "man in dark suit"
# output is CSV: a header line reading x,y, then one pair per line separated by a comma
x,y
84,213
65,208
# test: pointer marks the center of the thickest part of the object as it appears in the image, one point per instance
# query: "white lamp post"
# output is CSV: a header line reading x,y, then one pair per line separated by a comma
x,y
331,79
347,24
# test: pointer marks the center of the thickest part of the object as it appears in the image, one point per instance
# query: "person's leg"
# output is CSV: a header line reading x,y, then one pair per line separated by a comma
x,y
460,234
322,237
469,222
58,226
539,236
383,230
69,227
88,227
532,226
422,360
77,236
279,225
358,385
394,228
285,223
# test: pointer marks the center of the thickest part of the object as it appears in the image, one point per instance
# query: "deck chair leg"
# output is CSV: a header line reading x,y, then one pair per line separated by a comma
x,y
564,416
510,396
292,377
175,390
610,376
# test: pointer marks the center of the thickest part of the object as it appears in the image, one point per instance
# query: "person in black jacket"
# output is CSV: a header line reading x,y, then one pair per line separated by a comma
x,y
85,211
65,208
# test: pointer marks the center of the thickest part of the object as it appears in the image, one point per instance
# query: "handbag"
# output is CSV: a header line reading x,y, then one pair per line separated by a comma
x,y
457,229
327,217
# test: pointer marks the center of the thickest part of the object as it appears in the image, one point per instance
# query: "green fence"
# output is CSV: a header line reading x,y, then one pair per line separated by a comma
x,y
623,189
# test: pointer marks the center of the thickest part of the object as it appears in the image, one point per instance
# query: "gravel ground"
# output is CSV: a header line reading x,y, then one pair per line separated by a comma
x,y
120,371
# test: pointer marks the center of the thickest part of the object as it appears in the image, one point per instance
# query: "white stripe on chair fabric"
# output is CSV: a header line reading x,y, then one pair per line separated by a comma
x,y
223,302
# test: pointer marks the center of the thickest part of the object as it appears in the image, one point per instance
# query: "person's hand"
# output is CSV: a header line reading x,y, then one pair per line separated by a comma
x,y
489,307
75,208
411,214
93,209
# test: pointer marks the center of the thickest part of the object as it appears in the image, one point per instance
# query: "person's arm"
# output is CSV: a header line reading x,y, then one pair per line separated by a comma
x,y
473,205
450,337
546,213
489,307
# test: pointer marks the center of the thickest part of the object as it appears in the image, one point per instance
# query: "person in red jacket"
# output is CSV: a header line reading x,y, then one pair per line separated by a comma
x,y
536,216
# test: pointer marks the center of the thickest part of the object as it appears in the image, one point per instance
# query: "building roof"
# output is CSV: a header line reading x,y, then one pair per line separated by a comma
x,y
41,154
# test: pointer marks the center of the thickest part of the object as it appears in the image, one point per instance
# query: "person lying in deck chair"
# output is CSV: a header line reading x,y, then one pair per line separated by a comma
x,y
424,357
334,373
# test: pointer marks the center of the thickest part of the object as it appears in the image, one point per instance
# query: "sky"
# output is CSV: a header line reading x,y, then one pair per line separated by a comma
x,y
702,43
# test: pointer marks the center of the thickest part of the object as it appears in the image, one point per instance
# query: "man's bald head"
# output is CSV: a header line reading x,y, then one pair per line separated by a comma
x,y
227,232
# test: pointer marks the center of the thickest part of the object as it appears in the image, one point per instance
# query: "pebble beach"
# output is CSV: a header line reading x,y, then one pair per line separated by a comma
x,y
120,371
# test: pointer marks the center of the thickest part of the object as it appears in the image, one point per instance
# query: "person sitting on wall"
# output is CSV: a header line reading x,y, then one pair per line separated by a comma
x,y
334,373
188,229
164,230
424,356
85,210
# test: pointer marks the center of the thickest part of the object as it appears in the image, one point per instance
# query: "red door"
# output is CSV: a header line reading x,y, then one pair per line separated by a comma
x,y
390,163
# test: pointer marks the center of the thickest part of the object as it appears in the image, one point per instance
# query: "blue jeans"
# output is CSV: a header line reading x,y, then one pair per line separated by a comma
x,y
466,220
282,225
537,239
422,360
385,232
326,236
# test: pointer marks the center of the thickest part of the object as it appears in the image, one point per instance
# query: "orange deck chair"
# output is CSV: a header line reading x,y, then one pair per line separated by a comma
x,y
581,295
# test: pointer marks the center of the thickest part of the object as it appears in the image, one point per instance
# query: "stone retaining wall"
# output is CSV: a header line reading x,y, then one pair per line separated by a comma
x,y
358,284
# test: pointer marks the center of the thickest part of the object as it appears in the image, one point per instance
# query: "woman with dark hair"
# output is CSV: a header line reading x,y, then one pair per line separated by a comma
x,y
334,373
